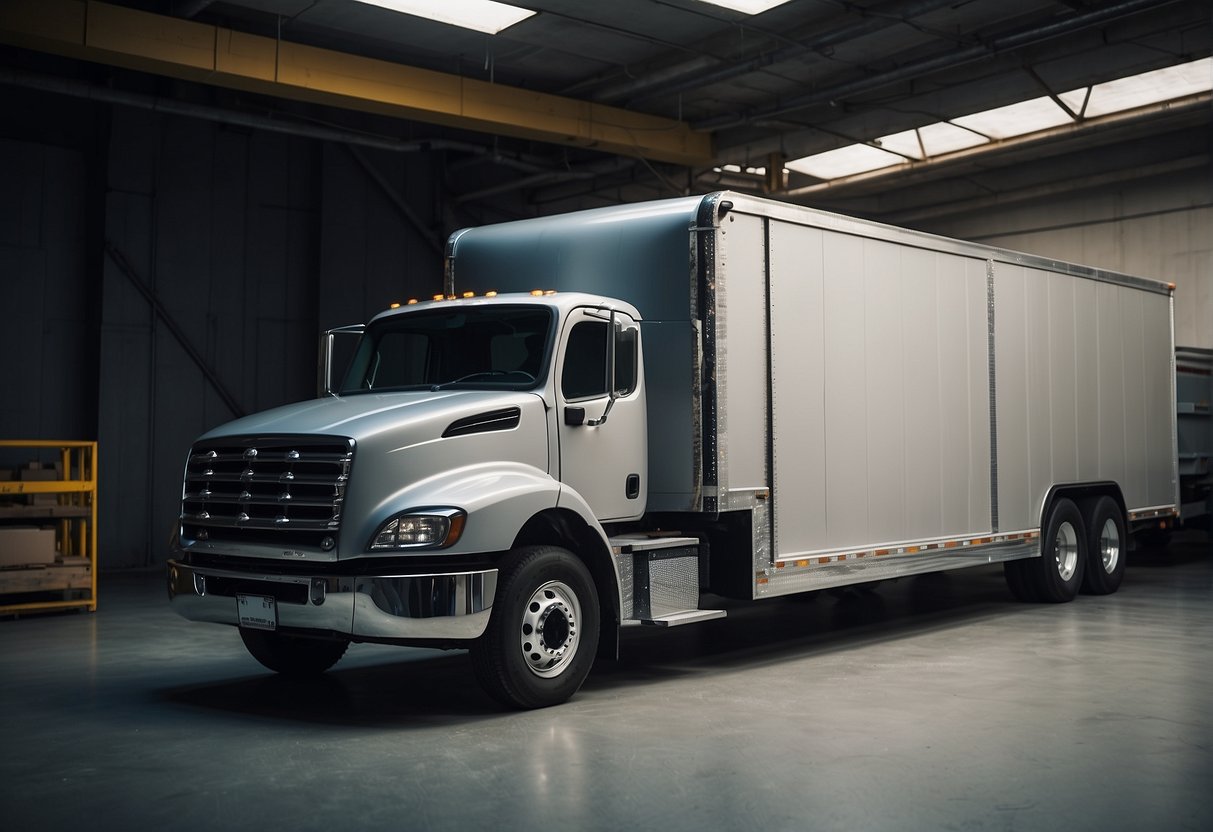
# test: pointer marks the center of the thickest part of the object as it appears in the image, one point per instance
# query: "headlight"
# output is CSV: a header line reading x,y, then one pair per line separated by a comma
x,y
428,528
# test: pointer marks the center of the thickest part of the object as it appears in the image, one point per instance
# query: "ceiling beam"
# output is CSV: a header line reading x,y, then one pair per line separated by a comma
x,y
193,51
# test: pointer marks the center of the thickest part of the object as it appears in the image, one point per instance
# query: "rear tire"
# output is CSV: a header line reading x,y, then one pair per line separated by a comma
x,y
1057,575
541,638
1107,546
293,655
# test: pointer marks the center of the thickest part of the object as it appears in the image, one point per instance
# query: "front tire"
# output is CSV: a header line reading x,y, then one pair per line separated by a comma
x,y
293,655
540,641
1107,544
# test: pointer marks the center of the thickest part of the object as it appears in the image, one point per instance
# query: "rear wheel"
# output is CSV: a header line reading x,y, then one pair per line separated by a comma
x,y
1056,575
293,655
1106,547
540,642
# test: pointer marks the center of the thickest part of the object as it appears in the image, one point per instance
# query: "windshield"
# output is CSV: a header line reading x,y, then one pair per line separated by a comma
x,y
499,347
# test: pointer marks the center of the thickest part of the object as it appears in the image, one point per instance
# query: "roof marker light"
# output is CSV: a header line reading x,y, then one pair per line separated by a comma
x,y
412,301
394,305
439,297
469,294
536,293
491,294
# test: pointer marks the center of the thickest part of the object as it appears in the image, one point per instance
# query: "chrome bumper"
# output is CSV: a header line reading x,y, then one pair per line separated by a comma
x,y
449,606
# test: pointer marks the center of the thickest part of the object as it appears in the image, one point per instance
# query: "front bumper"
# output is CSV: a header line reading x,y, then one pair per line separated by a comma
x,y
444,607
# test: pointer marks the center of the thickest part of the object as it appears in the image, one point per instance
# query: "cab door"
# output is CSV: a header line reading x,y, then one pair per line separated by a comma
x,y
602,420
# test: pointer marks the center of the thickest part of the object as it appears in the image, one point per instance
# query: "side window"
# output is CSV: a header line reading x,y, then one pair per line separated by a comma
x,y
584,374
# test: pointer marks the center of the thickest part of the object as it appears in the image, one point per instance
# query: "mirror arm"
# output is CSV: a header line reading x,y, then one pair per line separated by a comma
x,y
610,368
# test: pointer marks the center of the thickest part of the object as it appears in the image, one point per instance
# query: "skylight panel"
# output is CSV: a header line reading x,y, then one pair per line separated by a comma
x,y
931,140
746,6
1016,119
1141,90
485,16
844,161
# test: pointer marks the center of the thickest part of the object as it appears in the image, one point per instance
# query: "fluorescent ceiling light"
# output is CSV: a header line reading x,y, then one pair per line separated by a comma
x,y
746,6
482,15
844,161
1140,90
1016,119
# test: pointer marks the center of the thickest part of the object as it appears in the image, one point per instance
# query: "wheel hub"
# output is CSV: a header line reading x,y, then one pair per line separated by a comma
x,y
1109,546
548,635
1065,551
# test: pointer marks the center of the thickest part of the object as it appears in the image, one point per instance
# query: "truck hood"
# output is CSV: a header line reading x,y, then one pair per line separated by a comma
x,y
367,415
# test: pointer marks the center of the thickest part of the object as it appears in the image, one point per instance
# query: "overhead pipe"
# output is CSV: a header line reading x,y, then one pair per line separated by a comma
x,y
159,104
951,60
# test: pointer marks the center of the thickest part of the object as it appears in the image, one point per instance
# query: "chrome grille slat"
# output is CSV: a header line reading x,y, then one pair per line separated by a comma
x,y
261,483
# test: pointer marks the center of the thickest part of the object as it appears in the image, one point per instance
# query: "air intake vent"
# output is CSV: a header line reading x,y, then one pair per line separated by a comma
x,y
266,489
505,419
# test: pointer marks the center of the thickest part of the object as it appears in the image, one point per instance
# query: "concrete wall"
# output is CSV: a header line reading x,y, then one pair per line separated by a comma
x,y
1160,227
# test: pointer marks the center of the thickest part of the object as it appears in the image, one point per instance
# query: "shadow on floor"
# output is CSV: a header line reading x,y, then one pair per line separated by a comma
x,y
434,688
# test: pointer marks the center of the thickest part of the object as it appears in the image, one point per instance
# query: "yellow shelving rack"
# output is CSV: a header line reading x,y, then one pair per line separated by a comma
x,y
74,517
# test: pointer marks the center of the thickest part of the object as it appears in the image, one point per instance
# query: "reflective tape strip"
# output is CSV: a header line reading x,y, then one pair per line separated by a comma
x,y
934,546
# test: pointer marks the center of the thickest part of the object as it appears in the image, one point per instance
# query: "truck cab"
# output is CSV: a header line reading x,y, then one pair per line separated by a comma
x,y
470,455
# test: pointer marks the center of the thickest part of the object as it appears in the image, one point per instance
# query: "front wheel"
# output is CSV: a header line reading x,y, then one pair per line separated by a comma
x,y
540,641
293,655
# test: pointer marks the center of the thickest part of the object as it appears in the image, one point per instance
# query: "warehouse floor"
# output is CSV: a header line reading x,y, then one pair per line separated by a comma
x,y
932,703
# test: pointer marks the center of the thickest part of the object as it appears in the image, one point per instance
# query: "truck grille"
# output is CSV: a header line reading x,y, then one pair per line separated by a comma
x,y
266,489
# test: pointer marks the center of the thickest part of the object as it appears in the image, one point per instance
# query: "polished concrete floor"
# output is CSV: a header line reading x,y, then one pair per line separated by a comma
x,y
932,703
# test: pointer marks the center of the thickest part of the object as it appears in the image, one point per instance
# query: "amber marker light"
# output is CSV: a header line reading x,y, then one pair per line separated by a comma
x,y
394,305
492,294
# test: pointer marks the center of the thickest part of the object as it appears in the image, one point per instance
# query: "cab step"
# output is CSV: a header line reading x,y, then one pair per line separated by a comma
x,y
659,579
675,619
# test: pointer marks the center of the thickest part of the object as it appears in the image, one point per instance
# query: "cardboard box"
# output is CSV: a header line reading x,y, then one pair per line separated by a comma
x,y
26,545
47,474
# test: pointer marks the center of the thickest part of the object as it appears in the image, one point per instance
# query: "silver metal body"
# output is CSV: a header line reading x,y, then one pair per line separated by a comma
x,y
868,402
881,402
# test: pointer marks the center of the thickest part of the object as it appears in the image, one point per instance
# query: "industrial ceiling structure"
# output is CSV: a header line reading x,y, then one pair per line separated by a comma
x,y
584,103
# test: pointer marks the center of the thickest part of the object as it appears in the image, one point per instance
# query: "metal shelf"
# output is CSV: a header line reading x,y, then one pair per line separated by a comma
x,y
75,521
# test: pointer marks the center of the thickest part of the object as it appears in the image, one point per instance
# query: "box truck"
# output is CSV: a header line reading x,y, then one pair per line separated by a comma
x,y
611,414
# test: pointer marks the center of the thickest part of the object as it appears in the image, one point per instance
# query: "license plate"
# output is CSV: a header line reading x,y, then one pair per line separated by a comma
x,y
258,612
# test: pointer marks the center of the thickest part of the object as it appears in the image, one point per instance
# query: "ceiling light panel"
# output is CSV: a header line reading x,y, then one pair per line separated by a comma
x,y
1146,88
485,16
746,6
930,140
844,161
1016,119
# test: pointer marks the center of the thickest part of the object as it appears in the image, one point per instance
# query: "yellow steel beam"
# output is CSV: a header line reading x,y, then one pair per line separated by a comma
x,y
170,46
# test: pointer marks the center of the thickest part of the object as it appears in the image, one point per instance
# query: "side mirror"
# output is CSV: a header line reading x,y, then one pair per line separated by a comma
x,y
324,368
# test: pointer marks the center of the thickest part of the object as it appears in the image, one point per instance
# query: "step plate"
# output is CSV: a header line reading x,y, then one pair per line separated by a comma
x,y
676,619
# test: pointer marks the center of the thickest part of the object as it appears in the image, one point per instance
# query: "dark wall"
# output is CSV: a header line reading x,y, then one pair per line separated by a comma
x,y
149,262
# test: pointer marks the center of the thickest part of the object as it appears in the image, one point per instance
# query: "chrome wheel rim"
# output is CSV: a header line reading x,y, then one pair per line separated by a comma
x,y
549,633
1109,546
1065,551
